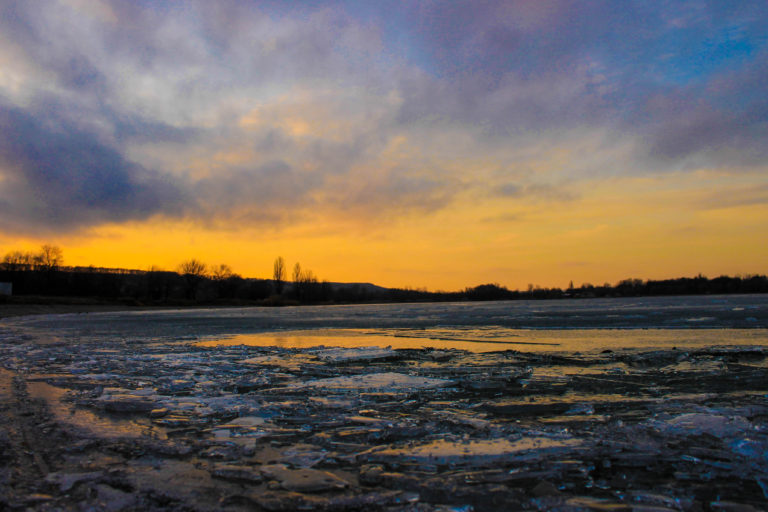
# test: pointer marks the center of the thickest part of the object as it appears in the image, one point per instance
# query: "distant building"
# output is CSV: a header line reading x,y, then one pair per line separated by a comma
x,y
6,288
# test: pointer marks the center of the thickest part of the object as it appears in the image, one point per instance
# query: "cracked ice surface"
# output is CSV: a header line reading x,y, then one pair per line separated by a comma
x,y
155,420
485,452
384,381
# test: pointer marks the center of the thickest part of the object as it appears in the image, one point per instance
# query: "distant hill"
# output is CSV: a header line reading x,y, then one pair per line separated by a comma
x,y
369,287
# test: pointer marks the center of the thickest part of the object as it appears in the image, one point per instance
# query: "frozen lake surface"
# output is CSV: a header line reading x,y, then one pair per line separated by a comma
x,y
652,404
562,325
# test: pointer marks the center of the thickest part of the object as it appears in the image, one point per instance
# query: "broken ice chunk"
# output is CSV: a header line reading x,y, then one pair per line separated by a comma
x,y
385,381
751,448
481,452
587,503
236,472
115,500
333,402
244,421
303,455
303,480
288,361
704,423
67,481
127,403
291,501
244,426
346,355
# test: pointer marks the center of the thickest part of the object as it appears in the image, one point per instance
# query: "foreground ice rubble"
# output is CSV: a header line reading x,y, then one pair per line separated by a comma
x,y
384,381
232,428
346,355
484,452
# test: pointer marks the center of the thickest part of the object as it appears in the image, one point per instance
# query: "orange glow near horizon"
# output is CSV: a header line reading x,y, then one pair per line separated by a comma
x,y
604,236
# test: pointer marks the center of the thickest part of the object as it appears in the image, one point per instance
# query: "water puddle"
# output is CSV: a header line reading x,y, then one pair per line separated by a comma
x,y
354,338
494,339
385,381
85,420
480,452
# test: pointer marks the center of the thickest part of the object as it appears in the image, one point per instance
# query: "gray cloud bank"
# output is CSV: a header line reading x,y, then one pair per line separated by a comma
x,y
56,175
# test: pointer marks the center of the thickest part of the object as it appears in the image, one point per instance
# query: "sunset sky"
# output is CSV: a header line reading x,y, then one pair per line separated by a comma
x,y
406,143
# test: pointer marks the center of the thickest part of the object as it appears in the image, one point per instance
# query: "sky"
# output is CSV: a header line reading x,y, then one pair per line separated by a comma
x,y
406,143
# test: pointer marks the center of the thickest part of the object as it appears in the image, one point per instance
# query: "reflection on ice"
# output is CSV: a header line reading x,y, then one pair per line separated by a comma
x,y
484,452
304,479
386,381
494,339
85,420
341,355
714,424
357,339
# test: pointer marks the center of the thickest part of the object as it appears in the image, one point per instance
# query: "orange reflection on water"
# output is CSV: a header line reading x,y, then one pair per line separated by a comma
x,y
493,339
87,421
355,338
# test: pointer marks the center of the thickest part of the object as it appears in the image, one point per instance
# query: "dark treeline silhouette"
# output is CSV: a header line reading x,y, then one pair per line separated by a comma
x,y
43,275
135,286
699,285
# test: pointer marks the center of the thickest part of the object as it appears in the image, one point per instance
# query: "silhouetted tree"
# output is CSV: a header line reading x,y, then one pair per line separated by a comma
x,y
309,288
296,278
278,274
221,272
17,260
305,284
49,258
296,275
193,271
225,280
192,267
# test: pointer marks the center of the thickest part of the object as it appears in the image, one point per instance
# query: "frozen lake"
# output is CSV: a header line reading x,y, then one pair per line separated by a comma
x,y
562,325
663,408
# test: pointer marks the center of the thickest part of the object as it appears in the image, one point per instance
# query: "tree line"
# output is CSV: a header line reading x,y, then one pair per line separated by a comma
x,y
49,257
42,273
699,285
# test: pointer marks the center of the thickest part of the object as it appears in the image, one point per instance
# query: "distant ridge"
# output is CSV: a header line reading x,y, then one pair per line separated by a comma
x,y
369,287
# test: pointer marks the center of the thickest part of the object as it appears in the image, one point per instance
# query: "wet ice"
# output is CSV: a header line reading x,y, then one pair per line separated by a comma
x,y
345,428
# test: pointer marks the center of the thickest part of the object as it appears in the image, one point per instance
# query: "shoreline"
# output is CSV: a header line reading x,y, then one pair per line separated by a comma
x,y
16,310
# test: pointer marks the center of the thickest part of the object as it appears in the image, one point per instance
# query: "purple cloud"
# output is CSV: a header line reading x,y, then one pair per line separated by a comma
x,y
56,176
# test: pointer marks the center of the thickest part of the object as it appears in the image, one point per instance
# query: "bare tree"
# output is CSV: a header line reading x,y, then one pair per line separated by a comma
x,y
304,282
17,260
296,276
224,280
221,272
50,257
193,271
308,277
193,267
278,274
